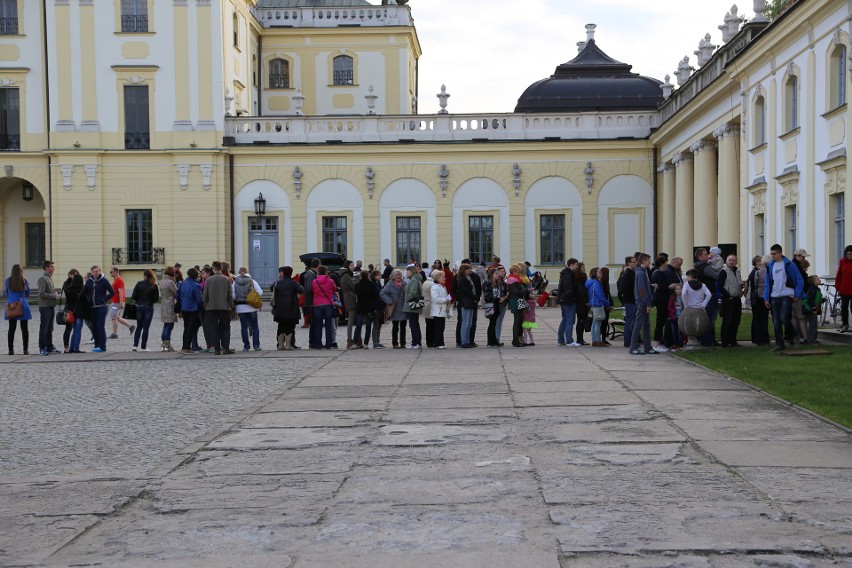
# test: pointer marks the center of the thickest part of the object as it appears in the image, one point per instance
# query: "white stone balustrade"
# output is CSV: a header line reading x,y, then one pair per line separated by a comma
x,y
438,128
333,17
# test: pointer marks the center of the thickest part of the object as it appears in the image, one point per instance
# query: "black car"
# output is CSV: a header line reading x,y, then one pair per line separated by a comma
x,y
330,260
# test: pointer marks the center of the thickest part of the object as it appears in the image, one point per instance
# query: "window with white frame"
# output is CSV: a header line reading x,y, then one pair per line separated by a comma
x,y
8,17
837,77
344,70
279,74
791,103
334,235
759,121
791,222
759,235
480,238
408,240
10,119
140,236
838,211
134,15
552,239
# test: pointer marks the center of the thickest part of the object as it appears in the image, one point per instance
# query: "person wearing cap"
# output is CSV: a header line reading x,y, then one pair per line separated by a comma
x,y
843,284
782,292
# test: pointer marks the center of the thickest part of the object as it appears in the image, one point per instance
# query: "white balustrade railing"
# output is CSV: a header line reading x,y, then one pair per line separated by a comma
x,y
333,17
439,128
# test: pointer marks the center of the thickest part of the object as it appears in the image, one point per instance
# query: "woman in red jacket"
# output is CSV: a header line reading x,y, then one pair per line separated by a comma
x,y
843,283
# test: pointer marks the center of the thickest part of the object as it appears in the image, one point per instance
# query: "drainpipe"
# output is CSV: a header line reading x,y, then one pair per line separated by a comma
x,y
47,118
656,188
231,197
259,72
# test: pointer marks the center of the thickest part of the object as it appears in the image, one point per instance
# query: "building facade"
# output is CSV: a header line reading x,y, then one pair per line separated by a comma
x,y
143,132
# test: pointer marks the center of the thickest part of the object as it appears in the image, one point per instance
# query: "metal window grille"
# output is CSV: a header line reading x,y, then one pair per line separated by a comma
x,y
344,73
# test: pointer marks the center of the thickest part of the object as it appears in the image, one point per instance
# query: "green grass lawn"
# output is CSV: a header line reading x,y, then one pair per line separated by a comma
x,y
822,384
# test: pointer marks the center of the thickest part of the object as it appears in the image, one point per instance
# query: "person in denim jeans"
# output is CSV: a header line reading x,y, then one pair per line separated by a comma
x,y
145,295
100,291
566,297
47,296
324,308
242,285
782,292
467,304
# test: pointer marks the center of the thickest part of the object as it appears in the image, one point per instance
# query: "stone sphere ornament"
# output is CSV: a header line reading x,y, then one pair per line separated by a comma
x,y
693,322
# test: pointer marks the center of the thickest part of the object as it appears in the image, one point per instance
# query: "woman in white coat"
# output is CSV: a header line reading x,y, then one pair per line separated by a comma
x,y
438,309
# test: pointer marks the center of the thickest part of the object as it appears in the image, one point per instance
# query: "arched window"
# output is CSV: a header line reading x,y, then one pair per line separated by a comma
x,y
837,77
759,122
134,15
344,73
279,74
791,103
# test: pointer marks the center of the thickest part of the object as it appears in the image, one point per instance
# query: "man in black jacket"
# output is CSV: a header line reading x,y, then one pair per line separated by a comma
x,y
566,297
477,287
627,296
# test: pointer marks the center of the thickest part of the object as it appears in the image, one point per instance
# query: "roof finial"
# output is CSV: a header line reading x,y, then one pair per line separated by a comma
x,y
590,31
581,45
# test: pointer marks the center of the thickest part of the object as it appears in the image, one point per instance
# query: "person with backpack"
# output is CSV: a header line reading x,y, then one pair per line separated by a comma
x,y
782,293
242,287
812,307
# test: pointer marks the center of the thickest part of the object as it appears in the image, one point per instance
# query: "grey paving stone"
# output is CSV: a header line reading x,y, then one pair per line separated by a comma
x,y
270,438
644,431
575,398
309,419
434,434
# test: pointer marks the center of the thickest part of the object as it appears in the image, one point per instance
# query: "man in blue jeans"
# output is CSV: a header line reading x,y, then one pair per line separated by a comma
x,y
567,299
782,292
100,291
627,296
47,296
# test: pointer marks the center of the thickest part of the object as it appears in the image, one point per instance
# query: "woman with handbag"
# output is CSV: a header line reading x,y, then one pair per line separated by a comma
x,y
393,295
598,304
69,326
18,307
518,294
413,305
77,304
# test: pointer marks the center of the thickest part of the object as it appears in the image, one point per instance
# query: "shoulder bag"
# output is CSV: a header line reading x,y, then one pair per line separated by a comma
x,y
253,299
14,310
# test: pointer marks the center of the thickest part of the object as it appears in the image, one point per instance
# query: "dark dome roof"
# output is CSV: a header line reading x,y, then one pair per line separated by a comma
x,y
592,81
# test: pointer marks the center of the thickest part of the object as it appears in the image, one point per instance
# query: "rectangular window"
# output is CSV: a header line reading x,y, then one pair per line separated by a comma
x,y
480,231
792,220
140,236
552,239
10,120
759,122
8,17
263,223
279,74
407,240
334,237
134,15
759,236
839,206
34,244
137,134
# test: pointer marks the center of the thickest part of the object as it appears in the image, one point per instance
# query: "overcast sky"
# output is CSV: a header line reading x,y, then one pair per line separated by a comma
x,y
488,52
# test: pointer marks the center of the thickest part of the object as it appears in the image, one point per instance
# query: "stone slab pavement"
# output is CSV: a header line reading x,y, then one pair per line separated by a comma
x,y
542,457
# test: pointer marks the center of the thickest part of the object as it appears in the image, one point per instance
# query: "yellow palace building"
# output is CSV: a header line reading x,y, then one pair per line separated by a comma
x,y
142,133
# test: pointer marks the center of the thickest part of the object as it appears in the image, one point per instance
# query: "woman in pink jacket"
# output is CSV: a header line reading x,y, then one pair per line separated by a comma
x,y
324,305
843,282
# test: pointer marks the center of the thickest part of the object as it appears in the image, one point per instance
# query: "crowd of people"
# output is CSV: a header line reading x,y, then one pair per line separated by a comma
x,y
208,299
776,286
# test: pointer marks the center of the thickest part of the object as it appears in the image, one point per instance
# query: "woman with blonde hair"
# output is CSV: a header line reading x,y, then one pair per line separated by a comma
x,y
18,290
518,295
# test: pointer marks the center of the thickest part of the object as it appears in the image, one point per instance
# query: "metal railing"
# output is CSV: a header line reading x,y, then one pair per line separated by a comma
x,y
10,142
134,23
8,26
123,256
137,140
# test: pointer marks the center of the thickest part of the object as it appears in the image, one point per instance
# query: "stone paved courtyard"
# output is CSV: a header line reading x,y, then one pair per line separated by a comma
x,y
539,457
